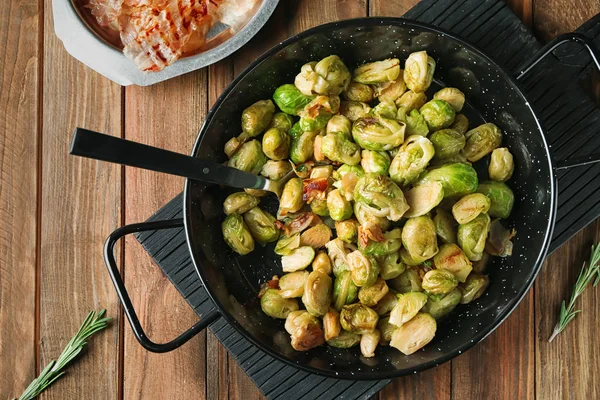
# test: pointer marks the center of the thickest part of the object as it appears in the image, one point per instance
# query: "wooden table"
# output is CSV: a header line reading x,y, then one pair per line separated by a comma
x,y
56,211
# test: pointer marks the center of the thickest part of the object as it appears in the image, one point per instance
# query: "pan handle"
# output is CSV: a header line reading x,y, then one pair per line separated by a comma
x,y
117,280
558,41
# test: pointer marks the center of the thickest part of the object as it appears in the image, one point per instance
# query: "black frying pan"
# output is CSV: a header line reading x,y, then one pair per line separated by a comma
x,y
233,281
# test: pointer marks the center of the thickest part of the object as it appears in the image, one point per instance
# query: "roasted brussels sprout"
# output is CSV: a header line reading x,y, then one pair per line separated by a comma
x,y
331,324
452,96
354,110
385,109
295,131
338,254
317,293
364,269
319,207
501,165
239,203
451,258
469,207
411,160
281,121
344,340
359,92
358,318
407,307
322,171
261,225
235,143
316,236
408,281
390,266
416,124
418,71
305,330
275,170
291,198
438,114
447,142
419,238
369,342
415,334
275,306
338,147
386,330
458,179
286,244
378,71
322,263
390,91
411,101
257,117
276,144
303,147
317,113
402,115
375,162
344,290
298,259
423,198
481,141
290,100
381,196
347,230
386,304
370,295
292,284
378,133
339,208
391,244
473,288
501,198
347,176
472,236
328,76
339,123
444,226
237,235
249,158
366,219
440,305
460,124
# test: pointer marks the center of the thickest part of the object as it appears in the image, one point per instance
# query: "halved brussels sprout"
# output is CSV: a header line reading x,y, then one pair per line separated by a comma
x,y
390,91
331,324
451,258
358,318
458,179
385,109
257,117
305,330
438,114
386,304
338,147
367,219
472,236
256,192
364,269
423,198
415,334
408,281
249,158
391,244
480,266
444,226
469,207
317,113
501,198
290,100
370,295
440,305
322,263
344,340
460,124
239,203
303,147
411,160
386,330
339,123
235,143
295,131
275,306
316,236
381,196
354,110
358,92
369,342
473,288
344,290
292,284
416,124
237,235
339,208
378,133
481,141
419,238
407,307
291,197
411,101
447,142
347,176
317,293
319,207
276,144
378,71
322,171
275,170
390,266
375,162
281,121
501,165
338,254
418,71
286,244
261,225
452,96
298,259
347,230
328,76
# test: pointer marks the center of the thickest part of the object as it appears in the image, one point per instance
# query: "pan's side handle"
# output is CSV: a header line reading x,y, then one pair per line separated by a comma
x,y
117,280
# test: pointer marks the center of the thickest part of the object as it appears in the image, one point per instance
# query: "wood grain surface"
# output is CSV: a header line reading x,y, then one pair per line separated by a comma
x,y
56,211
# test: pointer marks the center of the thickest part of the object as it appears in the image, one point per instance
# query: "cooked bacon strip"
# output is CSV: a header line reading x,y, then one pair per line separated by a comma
x,y
314,189
298,224
369,231
271,284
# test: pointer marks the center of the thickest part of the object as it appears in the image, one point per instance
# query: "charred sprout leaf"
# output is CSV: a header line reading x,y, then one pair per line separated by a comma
x,y
235,143
501,198
358,318
408,281
339,208
331,324
322,263
287,244
390,266
411,101
458,179
249,158
375,162
328,77
481,141
316,236
354,110
305,330
317,293
378,71
347,230
501,165
444,226
386,330
439,306
411,160
438,114
276,144
390,91
338,147
292,284
344,290
298,259
416,124
460,124
290,100
418,71
419,238
499,240
275,170
447,142
423,198
469,207
451,258
391,244
378,133
302,147
344,340
369,342
358,92
261,225
407,307
371,295
385,109
452,96
239,203
472,236
340,124
281,121
237,235
276,306
364,269
317,113
415,334
338,254
380,196
473,288
291,198
257,117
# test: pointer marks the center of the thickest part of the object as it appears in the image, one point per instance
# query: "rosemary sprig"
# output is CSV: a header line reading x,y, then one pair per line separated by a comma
x,y
587,274
93,323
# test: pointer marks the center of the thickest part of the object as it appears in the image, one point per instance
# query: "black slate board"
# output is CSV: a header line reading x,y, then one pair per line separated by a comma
x,y
571,121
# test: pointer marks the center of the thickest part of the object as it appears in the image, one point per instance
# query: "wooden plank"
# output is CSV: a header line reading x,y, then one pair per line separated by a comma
x,y
523,9
80,206
390,8
19,129
553,17
166,115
